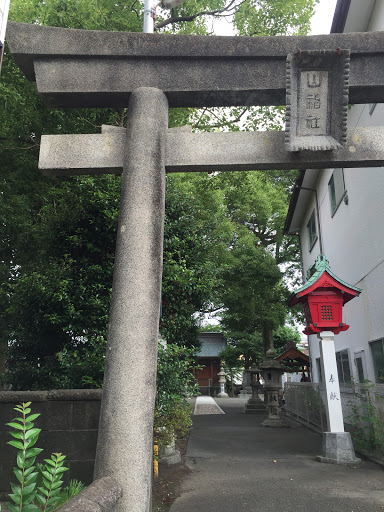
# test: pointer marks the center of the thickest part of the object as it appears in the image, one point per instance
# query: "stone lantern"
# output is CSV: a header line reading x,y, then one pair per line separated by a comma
x,y
222,381
272,372
255,404
323,297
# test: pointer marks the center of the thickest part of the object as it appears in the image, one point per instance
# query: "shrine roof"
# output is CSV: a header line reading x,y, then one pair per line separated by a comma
x,y
290,351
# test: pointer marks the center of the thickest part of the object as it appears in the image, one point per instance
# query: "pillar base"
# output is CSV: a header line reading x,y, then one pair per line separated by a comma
x,y
274,422
338,449
254,405
222,395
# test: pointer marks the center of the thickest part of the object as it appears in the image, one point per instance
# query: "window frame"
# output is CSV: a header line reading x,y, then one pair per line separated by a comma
x,y
339,363
360,356
313,240
319,370
371,108
332,191
376,372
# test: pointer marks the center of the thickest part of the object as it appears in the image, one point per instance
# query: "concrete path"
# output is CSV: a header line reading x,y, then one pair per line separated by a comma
x,y
239,466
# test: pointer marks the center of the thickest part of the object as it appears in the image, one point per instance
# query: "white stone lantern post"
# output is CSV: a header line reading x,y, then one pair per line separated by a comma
x,y
222,381
323,297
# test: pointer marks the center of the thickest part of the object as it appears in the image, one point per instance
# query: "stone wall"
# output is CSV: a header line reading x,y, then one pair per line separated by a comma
x,y
69,421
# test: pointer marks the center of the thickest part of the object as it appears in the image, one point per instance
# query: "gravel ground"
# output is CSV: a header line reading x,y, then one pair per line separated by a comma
x,y
206,405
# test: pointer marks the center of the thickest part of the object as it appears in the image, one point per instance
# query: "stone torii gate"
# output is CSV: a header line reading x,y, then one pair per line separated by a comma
x,y
148,73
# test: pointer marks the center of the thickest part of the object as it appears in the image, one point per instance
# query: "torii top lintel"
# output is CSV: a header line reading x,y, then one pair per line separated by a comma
x,y
86,68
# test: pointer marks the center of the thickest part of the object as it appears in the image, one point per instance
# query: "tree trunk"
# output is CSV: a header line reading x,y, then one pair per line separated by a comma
x,y
3,350
267,340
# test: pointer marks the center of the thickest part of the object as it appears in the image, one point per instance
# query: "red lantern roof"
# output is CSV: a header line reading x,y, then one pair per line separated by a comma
x,y
321,276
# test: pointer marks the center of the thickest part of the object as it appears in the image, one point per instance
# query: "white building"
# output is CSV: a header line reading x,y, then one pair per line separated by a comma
x,y
340,213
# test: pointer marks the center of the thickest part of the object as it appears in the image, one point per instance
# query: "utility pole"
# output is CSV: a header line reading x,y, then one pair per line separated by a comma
x,y
150,12
149,16
4,9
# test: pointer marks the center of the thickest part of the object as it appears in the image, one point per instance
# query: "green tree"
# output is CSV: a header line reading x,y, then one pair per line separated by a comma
x,y
57,234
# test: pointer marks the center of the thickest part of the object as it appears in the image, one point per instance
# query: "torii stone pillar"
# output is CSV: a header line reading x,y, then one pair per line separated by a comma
x,y
126,420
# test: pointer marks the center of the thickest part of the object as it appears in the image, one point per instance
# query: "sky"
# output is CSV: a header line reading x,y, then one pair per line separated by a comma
x,y
320,24
322,20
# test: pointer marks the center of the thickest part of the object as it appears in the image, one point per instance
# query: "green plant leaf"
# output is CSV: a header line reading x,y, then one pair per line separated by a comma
x,y
61,470
29,488
57,484
30,508
27,411
47,483
50,461
16,498
16,488
29,462
32,452
32,417
17,435
15,425
12,507
40,498
16,444
31,480
20,460
47,475
26,404
53,500
19,474
31,441
51,469
44,491
28,472
30,498
55,492
33,432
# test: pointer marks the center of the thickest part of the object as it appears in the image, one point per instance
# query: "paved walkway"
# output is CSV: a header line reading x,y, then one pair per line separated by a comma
x,y
239,466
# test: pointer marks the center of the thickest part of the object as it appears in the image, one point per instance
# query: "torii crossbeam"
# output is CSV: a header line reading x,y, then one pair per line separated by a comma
x,y
148,72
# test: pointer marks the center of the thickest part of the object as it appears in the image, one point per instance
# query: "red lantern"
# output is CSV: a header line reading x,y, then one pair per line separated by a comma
x,y
323,297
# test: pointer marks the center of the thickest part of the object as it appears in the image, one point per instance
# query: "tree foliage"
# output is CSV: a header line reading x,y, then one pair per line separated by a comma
x,y
244,350
58,234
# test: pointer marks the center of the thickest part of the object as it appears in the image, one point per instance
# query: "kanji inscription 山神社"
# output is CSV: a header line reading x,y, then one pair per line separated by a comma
x,y
148,73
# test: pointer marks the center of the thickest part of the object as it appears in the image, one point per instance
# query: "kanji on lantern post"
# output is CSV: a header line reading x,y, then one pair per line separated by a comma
x,y
323,297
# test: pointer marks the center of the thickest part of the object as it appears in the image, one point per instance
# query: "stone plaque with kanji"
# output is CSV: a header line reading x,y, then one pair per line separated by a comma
x,y
317,100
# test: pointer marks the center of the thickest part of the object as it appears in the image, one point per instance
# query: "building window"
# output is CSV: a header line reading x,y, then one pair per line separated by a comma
x,y
312,231
377,351
343,368
336,189
319,372
360,365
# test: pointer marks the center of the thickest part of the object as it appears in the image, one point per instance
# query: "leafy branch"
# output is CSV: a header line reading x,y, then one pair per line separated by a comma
x,y
230,9
220,123
27,495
